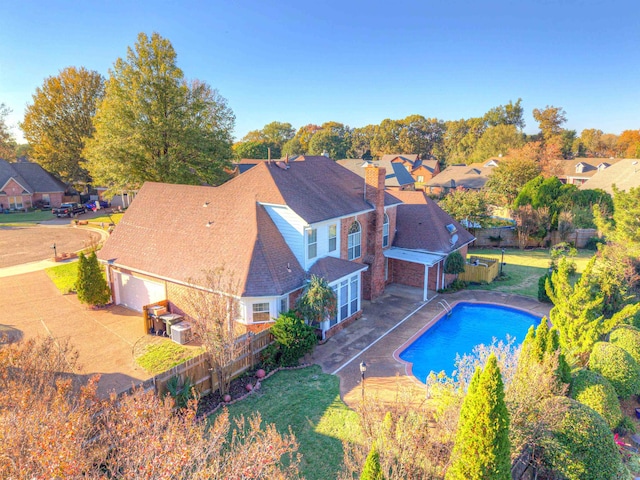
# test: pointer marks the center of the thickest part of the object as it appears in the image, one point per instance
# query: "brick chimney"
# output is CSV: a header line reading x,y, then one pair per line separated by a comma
x,y
374,277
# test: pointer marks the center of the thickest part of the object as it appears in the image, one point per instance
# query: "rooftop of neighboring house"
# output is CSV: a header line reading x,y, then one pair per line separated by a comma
x,y
624,174
181,232
31,176
422,225
396,175
585,167
473,176
412,161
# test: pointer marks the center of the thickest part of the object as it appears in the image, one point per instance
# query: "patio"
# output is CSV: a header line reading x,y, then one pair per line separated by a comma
x,y
387,323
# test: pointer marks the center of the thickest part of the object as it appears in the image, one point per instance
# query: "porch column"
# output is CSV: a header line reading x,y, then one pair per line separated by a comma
x,y
426,283
438,284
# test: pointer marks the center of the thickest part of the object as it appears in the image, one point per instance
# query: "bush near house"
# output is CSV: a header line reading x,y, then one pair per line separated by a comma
x,y
91,285
593,390
627,338
293,337
581,445
454,263
617,366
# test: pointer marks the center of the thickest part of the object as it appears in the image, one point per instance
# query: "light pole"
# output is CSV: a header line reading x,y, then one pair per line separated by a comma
x,y
363,368
501,262
55,252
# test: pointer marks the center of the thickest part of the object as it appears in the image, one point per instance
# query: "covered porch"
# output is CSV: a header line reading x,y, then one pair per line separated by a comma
x,y
416,268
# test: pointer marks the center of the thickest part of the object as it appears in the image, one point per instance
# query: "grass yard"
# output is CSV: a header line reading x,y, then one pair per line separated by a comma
x,y
106,219
523,269
64,276
21,218
308,401
163,355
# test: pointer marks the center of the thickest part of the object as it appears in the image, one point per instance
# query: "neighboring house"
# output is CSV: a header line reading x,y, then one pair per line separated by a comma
x,y
624,174
270,228
577,171
468,177
422,170
26,184
397,176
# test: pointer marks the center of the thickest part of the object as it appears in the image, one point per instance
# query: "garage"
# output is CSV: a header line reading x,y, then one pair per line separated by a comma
x,y
135,292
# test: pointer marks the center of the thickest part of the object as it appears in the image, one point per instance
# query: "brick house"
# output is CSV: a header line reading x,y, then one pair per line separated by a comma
x,y
25,184
422,170
397,176
270,228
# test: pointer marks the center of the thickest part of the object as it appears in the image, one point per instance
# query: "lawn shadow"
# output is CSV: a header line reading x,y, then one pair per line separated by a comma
x,y
9,334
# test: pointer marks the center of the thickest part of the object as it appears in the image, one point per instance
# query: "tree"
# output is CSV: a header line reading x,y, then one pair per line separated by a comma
x,y
531,223
482,445
510,176
469,205
91,286
361,139
596,392
424,136
498,140
372,469
550,120
273,135
212,305
60,120
618,366
152,125
510,114
628,144
293,337
317,301
299,144
454,263
460,139
250,149
7,143
332,138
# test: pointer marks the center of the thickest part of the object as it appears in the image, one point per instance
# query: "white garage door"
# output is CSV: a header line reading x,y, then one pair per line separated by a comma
x,y
134,292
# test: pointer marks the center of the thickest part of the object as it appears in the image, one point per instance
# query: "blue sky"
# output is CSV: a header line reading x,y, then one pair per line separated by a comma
x,y
355,62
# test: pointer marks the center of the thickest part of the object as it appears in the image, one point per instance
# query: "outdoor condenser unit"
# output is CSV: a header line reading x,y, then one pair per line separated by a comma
x,y
181,333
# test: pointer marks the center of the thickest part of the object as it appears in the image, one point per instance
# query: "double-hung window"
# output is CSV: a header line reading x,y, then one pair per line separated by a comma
x,y
312,243
385,231
333,238
261,312
355,235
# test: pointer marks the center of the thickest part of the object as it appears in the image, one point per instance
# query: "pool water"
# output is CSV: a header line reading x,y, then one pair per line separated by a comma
x,y
469,324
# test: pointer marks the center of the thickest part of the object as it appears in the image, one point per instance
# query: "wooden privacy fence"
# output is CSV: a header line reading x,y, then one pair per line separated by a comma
x,y
198,371
480,270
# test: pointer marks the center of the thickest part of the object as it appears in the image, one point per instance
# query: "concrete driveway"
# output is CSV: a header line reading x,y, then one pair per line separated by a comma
x,y
32,306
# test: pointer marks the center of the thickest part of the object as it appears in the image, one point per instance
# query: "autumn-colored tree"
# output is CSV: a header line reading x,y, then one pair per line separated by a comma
x,y
628,144
482,447
550,120
531,223
299,144
60,120
7,143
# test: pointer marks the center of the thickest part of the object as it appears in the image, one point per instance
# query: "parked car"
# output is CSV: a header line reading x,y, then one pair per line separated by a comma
x,y
92,205
69,210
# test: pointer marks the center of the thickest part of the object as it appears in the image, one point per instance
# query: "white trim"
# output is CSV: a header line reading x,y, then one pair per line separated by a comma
x,y
13,178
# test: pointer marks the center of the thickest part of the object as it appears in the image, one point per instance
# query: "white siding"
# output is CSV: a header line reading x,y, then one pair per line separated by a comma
x,y
291,226
247,307
323,242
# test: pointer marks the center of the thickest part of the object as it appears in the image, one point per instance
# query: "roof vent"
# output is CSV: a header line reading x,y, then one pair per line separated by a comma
x,y
205,204
454,239
451,228
209,223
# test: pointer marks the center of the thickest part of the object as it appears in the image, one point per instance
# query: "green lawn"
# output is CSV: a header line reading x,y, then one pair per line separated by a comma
x,y
523,269
309,402
116,217
64,276
160,357
30,217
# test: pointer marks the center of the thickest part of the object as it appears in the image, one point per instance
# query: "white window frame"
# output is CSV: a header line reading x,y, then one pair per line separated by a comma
x,y
283,304
421,178
349,304
254,311
312,243
354,241
385,231
333,237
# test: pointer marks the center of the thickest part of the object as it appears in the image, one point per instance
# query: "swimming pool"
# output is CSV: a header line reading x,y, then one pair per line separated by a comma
x,y
469,324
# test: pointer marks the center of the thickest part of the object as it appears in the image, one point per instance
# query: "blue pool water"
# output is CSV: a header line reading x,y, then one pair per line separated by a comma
x,y
469,324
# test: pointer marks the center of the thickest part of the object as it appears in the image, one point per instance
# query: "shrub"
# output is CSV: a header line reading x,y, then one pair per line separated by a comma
x,y
270,356
580,445
617,366
542,291
454,286
628,339
372,469
593,242
293,337
454,263
181,392
626,426
593,390
91,285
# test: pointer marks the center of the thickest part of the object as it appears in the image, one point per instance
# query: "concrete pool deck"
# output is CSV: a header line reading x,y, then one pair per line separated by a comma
x,y
386,324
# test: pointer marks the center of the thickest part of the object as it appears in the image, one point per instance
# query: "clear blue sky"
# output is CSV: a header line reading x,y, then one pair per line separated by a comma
x,y
356,62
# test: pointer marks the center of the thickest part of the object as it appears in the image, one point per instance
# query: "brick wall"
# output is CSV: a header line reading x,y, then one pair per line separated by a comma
x,y
374,178
407,273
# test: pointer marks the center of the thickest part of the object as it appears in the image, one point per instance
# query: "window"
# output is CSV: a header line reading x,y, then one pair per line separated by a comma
x,y
333,235
46,199
261,312
283,304
354,240
420,178
385,231
355,295
15,203
347,299
334,319
344,299
312,243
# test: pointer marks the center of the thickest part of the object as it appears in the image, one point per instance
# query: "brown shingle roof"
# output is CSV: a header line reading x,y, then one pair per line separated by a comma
x,y
590,166
421,225
332,268
473,176
624,174
396,174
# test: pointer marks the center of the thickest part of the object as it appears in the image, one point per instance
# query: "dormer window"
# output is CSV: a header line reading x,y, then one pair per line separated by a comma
x,y
385,231
580,167
354,240
602,166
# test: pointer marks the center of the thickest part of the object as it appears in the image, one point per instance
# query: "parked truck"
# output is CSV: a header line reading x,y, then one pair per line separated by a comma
x,y
69,210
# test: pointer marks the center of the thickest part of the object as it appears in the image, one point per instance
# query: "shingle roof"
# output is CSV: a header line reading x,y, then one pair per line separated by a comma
x,y
332,268
590,166
624,174
31,176
468,176
422,225
407,157
396,174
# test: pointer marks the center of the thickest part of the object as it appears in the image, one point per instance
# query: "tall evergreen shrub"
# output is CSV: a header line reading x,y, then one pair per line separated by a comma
x,y
91,285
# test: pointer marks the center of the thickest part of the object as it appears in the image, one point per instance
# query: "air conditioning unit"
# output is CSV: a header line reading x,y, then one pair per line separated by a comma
x,y
181,333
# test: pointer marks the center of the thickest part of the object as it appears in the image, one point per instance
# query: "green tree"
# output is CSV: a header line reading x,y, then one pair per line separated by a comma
x,y
152,125
7,143
617,366
299,144
470,205
387,138
332,138
454,263
481,449
510,176
550,120
498,140
627,337
293,337
510,114
596,392
273,135
317,301
60,119
91,285
372,469
424,136
251,149
361,139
